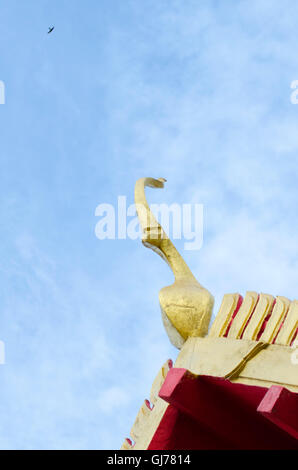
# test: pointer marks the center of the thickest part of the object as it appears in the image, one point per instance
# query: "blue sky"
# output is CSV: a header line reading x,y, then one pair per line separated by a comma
x,y
197,92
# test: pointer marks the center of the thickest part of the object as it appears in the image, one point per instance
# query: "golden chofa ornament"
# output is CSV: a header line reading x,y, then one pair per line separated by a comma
x,y
186,306
233,386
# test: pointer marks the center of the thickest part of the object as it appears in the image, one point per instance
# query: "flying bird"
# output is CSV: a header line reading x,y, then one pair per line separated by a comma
x,y
51,29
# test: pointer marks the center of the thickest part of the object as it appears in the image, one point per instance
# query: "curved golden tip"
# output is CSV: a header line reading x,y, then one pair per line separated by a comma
x,y
186,306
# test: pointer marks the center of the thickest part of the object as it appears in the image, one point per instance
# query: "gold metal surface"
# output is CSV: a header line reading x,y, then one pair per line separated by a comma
x,y
273,366
289,327
279,312
237,359
263,308
224,316
147,421
186,306
218,357
242,317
